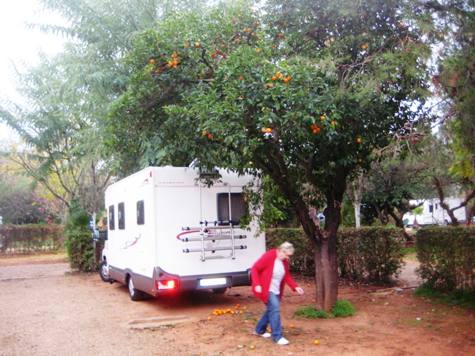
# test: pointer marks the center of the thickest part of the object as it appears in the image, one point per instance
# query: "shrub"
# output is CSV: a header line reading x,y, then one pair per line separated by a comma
x,y
371,254
79,243
303,259
447,257
342,308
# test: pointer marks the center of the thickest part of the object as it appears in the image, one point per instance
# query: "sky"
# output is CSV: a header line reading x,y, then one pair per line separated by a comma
x,y
19,47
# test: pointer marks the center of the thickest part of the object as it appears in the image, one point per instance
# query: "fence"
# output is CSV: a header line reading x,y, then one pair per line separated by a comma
x,y
31,238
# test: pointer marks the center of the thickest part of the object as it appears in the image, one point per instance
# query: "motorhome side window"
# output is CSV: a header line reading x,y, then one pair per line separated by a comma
x,y
111,218
121,216
238,208
140,213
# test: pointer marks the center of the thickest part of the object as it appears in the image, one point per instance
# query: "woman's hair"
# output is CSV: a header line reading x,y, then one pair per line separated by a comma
x,y
287,247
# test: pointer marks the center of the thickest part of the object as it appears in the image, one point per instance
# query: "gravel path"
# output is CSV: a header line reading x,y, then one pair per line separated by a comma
x,y
32,271
408,276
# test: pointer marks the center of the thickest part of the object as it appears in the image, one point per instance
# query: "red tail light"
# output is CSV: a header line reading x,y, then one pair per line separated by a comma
x,y
167,284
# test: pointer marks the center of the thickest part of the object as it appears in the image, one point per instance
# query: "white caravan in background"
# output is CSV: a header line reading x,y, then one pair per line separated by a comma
x,y
168,232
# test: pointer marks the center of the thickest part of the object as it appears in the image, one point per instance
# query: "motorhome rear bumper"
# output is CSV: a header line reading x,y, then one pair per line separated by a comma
x,y
188,283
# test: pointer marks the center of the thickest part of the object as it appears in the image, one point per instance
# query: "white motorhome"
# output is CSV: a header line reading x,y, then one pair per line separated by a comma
x,y
168,232
433,213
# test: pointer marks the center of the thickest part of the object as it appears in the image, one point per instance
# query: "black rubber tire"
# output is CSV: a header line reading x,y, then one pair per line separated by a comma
x,y
134,294
219,290
102,272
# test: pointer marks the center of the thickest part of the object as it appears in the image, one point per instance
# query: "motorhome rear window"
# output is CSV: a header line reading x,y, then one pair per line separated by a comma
x,y
121,216
140,213
111,218
238,208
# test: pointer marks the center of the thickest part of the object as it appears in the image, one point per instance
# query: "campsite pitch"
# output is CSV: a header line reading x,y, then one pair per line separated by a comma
x,y
47,312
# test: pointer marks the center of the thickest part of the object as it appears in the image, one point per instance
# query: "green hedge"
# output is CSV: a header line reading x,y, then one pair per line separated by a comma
x,y
369,254
30,238
447,257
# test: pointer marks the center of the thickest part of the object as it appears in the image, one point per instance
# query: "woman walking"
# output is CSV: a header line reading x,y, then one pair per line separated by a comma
x,y
269,275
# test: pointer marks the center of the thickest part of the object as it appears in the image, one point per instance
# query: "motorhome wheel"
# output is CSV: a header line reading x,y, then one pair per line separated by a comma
x,y
104,272
134,293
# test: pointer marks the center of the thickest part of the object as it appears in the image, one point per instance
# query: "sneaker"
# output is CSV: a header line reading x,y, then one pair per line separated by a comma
x,y
266,335
283,341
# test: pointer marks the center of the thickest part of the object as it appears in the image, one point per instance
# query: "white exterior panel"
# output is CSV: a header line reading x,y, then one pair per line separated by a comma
x,y
174,199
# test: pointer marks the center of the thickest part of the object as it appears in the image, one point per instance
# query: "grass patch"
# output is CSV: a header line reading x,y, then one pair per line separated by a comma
x,y
309,312
459,298
342,308
408,250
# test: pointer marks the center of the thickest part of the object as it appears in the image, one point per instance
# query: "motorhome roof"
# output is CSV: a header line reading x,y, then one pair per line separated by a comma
x,y
181,176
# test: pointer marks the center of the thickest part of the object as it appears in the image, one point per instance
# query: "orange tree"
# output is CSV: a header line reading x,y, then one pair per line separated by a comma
x,y
302,94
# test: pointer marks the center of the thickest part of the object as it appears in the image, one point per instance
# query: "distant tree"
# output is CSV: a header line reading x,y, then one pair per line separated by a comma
x,y
397,176
438,156
20,202
453,24
68,98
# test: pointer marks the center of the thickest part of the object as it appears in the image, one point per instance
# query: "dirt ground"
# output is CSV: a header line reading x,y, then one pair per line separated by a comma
x,y
47,310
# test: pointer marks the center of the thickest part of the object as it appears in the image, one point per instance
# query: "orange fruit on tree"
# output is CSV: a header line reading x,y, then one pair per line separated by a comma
x,y
323,117
287,79
364,46
333,123
197,44
152,61
359,140
241,77
315,128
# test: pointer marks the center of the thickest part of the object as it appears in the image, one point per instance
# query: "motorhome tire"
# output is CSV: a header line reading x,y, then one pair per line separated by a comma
x,y
135,294
104,272
219,290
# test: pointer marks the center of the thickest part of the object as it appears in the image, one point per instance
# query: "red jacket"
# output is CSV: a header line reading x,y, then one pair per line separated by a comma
x,y
261,274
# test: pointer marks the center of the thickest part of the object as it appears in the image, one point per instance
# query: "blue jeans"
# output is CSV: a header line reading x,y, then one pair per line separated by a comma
x,y
271,316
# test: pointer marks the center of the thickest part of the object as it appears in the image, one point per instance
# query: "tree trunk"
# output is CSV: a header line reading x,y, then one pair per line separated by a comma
x,y
443,204
357,207
326,274
470,211
357,196
326,263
